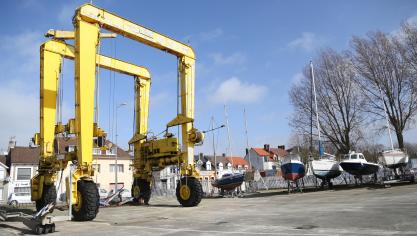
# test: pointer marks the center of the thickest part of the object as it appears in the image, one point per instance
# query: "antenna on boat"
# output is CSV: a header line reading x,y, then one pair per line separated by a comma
x,y
315,103
386,117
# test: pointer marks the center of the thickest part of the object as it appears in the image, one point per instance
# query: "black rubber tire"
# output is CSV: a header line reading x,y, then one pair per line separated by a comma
x,y
144,191
90,201
196,192
48,196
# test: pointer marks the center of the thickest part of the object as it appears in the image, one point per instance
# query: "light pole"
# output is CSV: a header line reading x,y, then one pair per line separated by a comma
x,y
116,167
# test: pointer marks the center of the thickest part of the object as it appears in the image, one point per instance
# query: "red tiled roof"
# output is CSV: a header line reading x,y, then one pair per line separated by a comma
x,y
237,161
261,152
279,151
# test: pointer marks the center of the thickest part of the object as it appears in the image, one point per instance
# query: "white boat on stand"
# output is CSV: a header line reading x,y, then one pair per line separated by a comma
x,y
326,167
394,158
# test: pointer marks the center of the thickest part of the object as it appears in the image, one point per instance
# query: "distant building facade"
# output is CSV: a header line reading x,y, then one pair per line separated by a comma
x,y
266,158
23,163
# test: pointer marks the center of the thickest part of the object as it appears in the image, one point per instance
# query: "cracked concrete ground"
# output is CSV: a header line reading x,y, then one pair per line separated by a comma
x,y
357,211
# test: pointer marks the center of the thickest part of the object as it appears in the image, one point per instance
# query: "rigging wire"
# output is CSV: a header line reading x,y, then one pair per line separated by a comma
x,y
97,85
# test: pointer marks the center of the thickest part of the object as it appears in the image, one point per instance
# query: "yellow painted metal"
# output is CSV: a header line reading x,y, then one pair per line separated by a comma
x,y
52,53
136,191
185,192
86,41
49,76
64,34
68,51
121,26
89,14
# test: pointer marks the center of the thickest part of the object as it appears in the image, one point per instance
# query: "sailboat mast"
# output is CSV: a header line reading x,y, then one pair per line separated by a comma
x,y
214,145
386,117
247,138
315,103
228,134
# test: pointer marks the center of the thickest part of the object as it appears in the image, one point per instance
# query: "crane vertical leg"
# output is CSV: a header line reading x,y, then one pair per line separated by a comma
x,y
141,191
189,189
43,189
85,193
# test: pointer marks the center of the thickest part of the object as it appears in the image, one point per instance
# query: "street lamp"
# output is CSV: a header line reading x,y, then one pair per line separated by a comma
x,y
116,167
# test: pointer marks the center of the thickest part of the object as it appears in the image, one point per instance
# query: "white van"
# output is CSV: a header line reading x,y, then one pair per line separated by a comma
x,y
18,198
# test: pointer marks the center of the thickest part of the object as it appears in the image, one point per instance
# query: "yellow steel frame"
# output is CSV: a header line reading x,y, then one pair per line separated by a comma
x,y
87,21
51,54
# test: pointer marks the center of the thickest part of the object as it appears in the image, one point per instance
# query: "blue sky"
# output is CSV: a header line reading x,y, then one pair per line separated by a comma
x,y
248,55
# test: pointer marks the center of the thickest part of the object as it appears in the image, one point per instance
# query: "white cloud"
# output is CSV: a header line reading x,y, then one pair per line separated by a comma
x,y
19,116
398,33
234,90
234,59
307,41
211,35
297,78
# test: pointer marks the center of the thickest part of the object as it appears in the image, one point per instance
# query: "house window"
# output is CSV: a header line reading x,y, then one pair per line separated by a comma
x,y
22,191
1,194
96,151
120,168
2,174
265,159
23,173
96,167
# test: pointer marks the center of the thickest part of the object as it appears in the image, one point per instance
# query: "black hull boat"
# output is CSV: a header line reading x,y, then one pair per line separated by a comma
x,y
229,181
356,164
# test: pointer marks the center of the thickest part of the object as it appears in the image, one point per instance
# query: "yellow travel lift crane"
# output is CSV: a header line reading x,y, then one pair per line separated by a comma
x,y
149,154
85,198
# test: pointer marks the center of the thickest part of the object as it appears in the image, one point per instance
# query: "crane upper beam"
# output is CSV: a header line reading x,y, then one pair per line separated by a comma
x,y
119,25
68,51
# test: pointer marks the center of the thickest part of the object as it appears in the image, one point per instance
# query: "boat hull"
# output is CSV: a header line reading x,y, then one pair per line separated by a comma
x,y
229,182
359,168
293,170
394,159
326,169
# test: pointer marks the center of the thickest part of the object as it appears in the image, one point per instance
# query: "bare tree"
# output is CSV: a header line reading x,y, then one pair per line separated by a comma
x,y
386,80
338,98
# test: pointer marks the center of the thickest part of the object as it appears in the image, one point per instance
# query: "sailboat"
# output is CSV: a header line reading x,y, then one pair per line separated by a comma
x,y
355,164
326,167
393,158
228,181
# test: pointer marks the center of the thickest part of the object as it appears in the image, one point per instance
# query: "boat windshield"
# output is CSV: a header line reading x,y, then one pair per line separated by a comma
x,y
361,156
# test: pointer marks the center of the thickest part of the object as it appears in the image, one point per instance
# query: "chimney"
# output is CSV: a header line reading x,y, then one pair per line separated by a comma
x,y
12,142
281,147
224,155
247,151
200,156
266,147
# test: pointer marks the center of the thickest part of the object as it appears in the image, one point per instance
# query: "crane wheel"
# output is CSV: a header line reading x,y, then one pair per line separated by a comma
x,y
141,190
189,192
48,196
88,201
